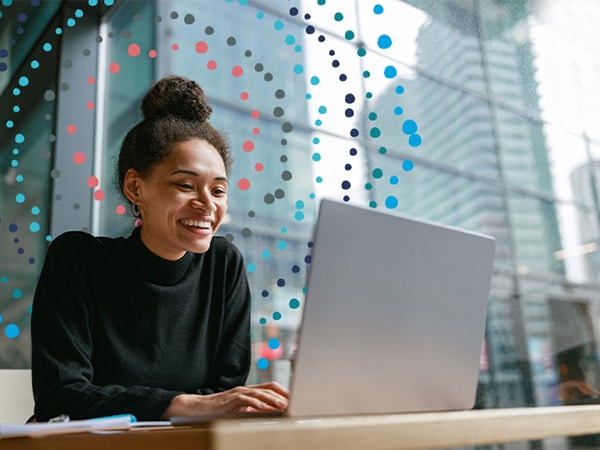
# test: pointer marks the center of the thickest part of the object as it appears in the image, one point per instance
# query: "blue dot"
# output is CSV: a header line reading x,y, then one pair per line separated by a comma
x,y
20,198
34,227
0,318
391,202
299,215
390,72
409,127
408,165
298,69
71,22
316,140
398,110
47,47
299,204
378,9
278,25
290,40
19,138
394,179
274,343
12,331
17,294
283,230
262,363
316,157
251,268
35,210
322,109
79,13
384,41
414,140
399,89
281,245
294,303
276,315
266,254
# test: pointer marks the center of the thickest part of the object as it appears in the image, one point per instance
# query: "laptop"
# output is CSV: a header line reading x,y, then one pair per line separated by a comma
x,y
394,315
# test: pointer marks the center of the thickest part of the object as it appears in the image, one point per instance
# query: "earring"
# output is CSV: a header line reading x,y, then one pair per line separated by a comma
x,y
135,209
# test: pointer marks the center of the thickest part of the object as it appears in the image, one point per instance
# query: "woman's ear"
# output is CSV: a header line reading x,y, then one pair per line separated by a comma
x,y
131,185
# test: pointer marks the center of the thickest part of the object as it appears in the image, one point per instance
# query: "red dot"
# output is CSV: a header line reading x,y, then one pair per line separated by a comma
x,y
71,129
259,167
244,96
175,47
79,158
244,184
248,146
114,67
256,130
211,65
91,80
99,195
90,105
93,181
255,114
120,210
133,50
237,71
201,47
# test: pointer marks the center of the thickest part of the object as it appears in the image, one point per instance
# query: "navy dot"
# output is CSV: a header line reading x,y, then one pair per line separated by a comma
x,y
343,77
349,112
295,269
265,293
346,198
346,184
348,167
321,38
309,244
354,132
307,16
335,63
310,29
281,282
331,52
293,11
350,98
353,152
307,259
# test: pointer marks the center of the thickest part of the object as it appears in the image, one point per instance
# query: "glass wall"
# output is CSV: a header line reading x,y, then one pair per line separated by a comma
x,y
476,113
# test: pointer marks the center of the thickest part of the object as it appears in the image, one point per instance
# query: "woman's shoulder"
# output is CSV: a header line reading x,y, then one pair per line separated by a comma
x,y
81,242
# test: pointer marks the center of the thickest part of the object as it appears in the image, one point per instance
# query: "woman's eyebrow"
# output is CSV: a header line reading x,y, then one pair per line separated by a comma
x,y
196,174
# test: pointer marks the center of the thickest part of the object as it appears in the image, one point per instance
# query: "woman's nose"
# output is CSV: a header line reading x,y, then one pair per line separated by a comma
x,y
205,204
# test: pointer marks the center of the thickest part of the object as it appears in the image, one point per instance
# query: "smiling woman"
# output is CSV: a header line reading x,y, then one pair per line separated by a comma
x,y
156,324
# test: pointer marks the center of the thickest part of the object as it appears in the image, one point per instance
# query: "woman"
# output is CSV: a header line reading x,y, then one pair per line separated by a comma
x,y
156,324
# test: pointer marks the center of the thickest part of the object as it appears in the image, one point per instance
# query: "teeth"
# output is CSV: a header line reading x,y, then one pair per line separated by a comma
x,y
195,223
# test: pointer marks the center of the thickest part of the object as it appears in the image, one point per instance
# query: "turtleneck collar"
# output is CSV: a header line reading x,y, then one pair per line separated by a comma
x,y
152,267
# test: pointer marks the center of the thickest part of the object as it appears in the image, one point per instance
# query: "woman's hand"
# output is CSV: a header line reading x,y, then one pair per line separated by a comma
x,y
261,397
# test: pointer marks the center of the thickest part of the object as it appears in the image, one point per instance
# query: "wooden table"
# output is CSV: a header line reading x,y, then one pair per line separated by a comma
x,y
400,431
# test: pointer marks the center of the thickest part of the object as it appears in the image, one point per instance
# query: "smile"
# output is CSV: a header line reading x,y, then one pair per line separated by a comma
x,y
195,223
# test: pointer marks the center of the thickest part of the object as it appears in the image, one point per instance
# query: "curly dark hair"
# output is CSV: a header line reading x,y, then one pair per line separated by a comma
x,y
174,110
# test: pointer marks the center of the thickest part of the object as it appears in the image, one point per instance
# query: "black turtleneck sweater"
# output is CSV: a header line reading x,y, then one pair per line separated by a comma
x,y
116,329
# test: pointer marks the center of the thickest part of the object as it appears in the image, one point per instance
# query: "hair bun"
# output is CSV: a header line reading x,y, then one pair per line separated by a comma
x,y
177,96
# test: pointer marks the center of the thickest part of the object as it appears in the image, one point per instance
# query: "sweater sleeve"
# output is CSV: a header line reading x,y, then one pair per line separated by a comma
x,y
62,325
234,354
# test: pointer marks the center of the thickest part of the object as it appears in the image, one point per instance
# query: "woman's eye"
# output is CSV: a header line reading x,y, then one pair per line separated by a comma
x,y
186,186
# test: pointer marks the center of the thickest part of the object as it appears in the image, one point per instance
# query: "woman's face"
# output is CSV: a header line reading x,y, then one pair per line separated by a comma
x,y
182,201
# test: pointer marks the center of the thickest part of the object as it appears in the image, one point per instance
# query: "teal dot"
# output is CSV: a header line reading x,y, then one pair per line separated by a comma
x,y
382,150
262,363
262,321
16,91
79,13
278,25
11,331
368,186
377,173
281,245
10,124
284,230
391,202
23,81
266,254
14,163
316,157
260,15
349,35
17,294
47,47
276,315
0,318
366,74
308,96
4,279
19,138
35,64
251,268
338,17
372,116
290,40
372,204
298,69
16,108
408,165
35,210
273,343
20,198
314,80
71,22
299,204
34,227
298,48
319,179
299,216
294,303
369,95
20,178
361,52
58,31
415,140
93,2
322,109
375,132
112,2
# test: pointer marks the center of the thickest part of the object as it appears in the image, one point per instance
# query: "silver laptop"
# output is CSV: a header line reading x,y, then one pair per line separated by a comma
x,y
394,315
393,319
